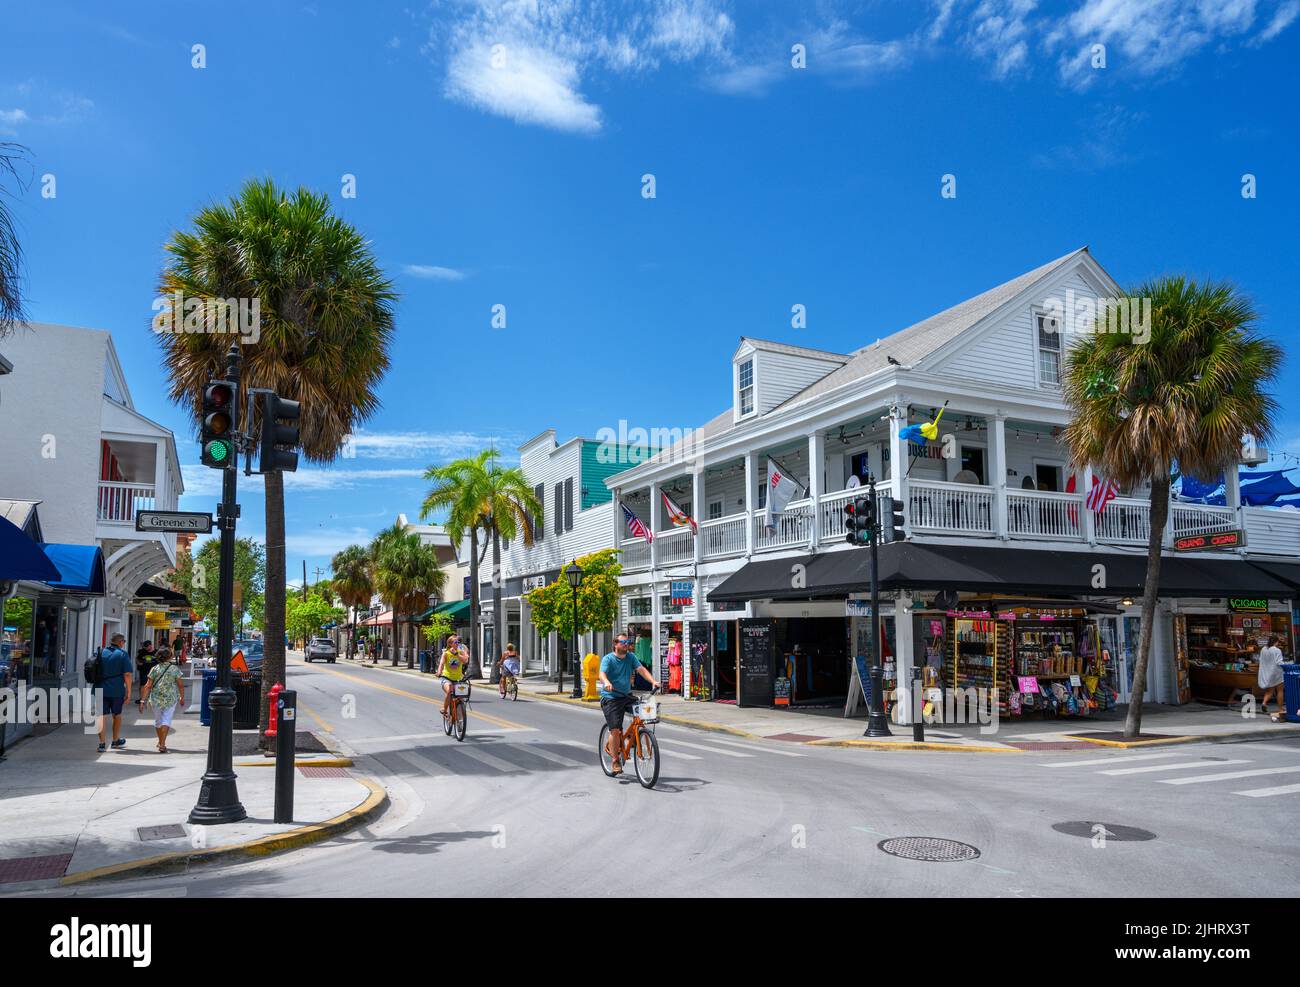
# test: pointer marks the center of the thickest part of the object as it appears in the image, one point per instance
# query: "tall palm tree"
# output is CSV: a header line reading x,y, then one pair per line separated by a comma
x,y
351,568
11,254
1189,395
406,575
380,544
511,507
326,323
462,489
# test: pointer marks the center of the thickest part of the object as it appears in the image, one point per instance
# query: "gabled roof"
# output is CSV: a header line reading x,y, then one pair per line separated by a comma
x,y
911,345
768,346
22,514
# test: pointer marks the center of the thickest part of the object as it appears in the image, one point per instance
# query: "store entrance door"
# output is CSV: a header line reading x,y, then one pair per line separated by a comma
x,y
1129,647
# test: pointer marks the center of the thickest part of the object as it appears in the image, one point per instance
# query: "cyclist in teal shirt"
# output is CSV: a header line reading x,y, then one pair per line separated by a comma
x,y
618,671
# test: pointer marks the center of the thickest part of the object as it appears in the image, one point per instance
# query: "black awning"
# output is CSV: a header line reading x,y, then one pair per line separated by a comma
x,y
985,568
152,591
1283,571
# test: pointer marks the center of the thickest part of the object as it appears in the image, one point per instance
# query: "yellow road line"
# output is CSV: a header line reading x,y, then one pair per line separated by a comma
x,y
312,713
495,720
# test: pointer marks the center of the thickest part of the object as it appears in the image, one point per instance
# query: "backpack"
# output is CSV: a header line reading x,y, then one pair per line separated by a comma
x,y
94,670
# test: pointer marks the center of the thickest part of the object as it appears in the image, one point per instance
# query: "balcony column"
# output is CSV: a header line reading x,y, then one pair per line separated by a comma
x,y
998,472
697,512
904,655
652,522
898,460
1232,497
620,525
1087,518
751,489
525,632
816,469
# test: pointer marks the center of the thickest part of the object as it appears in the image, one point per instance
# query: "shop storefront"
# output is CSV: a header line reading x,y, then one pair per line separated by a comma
x,y
1220,647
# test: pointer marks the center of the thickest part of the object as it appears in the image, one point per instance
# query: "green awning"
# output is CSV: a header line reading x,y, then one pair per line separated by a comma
x,y
420,618
454,609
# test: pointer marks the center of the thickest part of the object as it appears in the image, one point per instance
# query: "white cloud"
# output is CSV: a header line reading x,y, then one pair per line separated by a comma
x,y
205,482
432,272
528,85
420,445
999,30
1283,17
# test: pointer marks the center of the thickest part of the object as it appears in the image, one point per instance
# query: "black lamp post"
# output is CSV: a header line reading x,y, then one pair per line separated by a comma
x,y
573,573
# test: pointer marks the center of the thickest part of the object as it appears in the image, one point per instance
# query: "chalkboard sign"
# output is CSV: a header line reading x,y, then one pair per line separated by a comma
x,y
757,661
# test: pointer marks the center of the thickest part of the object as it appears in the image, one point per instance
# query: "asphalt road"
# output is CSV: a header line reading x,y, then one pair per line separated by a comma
x,y
522,808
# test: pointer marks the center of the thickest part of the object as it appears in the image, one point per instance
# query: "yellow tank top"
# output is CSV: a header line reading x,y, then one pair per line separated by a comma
x,y
453,666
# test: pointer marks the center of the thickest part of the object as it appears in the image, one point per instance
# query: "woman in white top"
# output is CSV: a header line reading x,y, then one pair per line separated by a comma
x,y
1270,674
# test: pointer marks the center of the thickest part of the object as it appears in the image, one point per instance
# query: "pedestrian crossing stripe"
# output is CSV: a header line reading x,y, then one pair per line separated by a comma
x,y
1252,773
1148,768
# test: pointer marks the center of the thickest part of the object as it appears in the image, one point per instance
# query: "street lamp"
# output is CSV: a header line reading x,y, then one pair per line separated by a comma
x,y
573,573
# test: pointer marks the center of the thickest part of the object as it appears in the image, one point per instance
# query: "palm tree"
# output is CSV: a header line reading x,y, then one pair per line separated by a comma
x,y
326,322
11,255
1188,396
512,505
406,575
351,568
461,488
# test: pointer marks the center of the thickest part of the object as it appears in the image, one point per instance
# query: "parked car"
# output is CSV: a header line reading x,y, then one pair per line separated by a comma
x,y
321,647
253,654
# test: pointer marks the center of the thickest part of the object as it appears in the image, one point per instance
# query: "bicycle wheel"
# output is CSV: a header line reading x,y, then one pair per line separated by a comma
x,y
462,719
606,762
512,690
446,724
646,758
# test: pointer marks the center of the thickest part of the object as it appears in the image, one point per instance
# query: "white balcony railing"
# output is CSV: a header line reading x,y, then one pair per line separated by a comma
x,y
961,508
1195,519
635,555
723,537
1125,521
832,509
1045,514
793,527
119,502
675,546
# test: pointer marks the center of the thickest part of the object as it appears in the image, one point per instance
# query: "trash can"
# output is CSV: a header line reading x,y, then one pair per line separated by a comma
x,y
248,703
1291,690
209,683
426,661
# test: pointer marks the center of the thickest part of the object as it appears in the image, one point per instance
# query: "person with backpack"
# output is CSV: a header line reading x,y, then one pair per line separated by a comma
x,y
113,679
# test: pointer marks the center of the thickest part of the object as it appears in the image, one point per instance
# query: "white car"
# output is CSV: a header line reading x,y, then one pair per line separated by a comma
x,y
322,647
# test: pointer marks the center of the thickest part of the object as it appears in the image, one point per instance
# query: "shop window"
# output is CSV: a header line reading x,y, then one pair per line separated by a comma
x,y
1049,349
16,642
1048,477
539,520
860,464
666,606
640,606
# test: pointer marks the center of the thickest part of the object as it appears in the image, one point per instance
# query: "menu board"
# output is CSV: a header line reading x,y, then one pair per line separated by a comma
x,y
757,659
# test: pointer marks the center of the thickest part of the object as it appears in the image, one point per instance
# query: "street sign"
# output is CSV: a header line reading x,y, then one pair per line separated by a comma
x,y
180,521
1212,541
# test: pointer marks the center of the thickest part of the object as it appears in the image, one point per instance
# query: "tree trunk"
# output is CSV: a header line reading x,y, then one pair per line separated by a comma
x,y
352,635
1151,594
498,618
473,602
273,645
397,639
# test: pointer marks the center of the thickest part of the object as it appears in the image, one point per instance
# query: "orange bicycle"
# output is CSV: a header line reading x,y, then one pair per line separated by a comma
x,y
457,716
639,743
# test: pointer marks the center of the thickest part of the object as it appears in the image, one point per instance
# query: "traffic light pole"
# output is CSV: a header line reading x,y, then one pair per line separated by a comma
x,y
877,722
219,795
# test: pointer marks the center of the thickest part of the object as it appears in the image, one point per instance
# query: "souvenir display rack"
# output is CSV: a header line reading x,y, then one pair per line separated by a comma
x,y
980,656
1059,666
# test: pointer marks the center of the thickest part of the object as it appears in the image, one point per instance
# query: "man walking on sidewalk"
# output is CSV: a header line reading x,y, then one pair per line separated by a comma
x,y
115,678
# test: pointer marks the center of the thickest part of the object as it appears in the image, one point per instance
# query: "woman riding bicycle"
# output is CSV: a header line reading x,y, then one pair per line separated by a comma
x,y
451,669
508,666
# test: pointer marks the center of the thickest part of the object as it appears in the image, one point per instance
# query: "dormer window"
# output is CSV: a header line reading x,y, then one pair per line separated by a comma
x,y
745,383
1049,349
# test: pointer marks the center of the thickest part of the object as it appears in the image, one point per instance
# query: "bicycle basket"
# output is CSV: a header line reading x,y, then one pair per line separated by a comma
x,y
648,711
462,688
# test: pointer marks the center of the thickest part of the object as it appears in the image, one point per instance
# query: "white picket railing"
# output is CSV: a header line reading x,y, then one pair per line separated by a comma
x,y
636,554
1045,514
675,546
793,527
1125,521
119,502
724,536
1194,519
961,508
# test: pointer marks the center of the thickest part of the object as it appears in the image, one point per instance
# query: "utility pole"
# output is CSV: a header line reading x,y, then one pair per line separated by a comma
x,y
877,722
219,795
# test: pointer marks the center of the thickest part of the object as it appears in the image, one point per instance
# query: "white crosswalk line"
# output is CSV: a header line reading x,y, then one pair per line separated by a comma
x,y
1165,767
674,742
400,736
1259,793
754,747
421,763
684,756
538,751
491,760
1112,759
1225,776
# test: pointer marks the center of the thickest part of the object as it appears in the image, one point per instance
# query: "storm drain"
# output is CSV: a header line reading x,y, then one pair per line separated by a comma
x,y
1110,831
928,848
173,831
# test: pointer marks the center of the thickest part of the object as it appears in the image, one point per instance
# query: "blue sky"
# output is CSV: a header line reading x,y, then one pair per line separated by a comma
x,y
512,176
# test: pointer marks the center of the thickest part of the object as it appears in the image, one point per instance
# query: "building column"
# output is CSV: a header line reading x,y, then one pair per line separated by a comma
x,y
656,617
1088,517
620,525
525,633
751,481
904,655
816,483
898,460
653,523
1232,496
998,472
697,508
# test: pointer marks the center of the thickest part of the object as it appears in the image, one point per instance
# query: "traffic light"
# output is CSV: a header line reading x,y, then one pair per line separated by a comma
x,y
217,427
271,457
861,521
896,522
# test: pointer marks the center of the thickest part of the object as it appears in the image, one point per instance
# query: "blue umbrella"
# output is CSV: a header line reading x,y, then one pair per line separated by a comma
x,y
22,558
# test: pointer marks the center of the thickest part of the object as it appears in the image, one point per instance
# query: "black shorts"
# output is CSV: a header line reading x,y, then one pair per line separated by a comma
x,y
614,708
112,705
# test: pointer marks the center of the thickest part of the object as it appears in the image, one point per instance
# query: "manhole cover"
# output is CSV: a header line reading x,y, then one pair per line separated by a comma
x,y
928,848
574,795
1111,831
174,831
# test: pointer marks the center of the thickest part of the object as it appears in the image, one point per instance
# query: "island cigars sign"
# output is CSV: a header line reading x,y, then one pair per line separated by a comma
x,y
1210,541
179,521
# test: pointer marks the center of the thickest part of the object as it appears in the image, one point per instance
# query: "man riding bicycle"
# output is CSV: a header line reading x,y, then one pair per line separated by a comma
x,y
618,672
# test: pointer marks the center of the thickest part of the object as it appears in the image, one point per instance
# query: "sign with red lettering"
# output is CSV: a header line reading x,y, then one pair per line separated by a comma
x,y
1211,541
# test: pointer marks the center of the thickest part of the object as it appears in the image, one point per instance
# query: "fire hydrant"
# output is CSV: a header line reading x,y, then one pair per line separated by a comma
x,y
274,718
590,677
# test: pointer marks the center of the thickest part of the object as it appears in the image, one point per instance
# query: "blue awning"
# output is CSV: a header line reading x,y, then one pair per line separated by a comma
x,y
81,568
22,558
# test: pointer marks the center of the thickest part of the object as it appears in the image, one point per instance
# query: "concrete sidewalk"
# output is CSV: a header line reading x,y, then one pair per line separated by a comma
x,y
69,814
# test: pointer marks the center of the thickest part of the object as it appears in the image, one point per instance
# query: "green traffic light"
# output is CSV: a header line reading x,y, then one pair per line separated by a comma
x,y
218,451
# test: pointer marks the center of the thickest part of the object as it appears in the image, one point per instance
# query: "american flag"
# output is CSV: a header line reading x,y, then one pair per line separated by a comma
x,y
634,524
1101,494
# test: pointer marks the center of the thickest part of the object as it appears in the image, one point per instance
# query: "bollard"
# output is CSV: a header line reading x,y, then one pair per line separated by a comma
x,y
918,705
287,703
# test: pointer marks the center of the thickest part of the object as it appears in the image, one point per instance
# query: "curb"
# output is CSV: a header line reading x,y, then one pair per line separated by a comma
x,y
1203,738
323,762
1157,742
912,745
294,839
